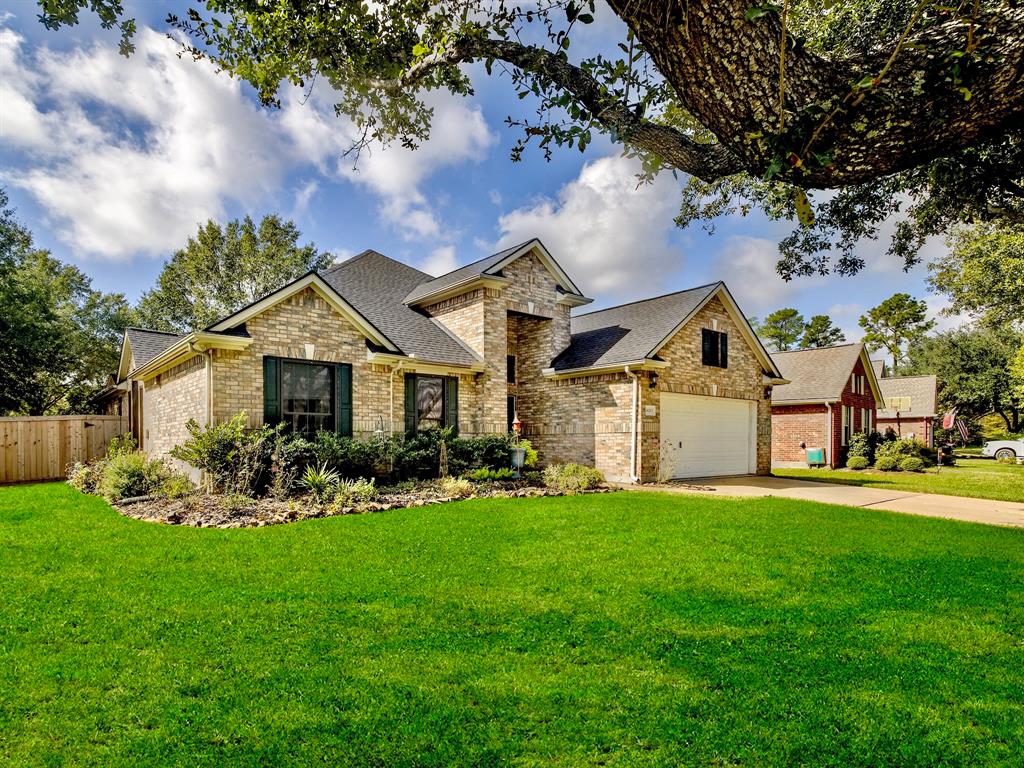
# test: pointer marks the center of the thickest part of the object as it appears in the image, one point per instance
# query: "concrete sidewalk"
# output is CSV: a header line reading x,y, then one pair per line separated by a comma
x,y
929,504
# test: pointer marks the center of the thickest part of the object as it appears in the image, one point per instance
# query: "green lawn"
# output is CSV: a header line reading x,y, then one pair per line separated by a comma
x,y
624,629
979,478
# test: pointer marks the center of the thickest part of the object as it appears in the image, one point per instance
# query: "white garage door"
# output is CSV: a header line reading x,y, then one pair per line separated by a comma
x,y
705,436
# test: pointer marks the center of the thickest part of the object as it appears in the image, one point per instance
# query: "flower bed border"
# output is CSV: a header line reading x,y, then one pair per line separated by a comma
x,y
212,511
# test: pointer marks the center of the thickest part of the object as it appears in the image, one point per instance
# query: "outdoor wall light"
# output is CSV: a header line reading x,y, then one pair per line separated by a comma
x,y
654,381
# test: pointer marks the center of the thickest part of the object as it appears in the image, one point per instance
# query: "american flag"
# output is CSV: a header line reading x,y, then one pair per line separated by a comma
x,y
949,419
962,426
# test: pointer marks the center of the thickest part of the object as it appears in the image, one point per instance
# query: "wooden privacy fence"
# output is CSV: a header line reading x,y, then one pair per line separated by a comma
x,y
41,447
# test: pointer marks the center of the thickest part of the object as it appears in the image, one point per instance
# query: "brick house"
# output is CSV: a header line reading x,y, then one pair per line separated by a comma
x,y
832,393
677,385
911,406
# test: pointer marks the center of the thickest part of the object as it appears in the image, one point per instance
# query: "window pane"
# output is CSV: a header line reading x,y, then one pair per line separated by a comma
x,y
429,402
307,396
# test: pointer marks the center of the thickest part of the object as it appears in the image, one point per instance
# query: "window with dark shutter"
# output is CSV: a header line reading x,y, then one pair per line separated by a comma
x,y
307,397
431,402
714,348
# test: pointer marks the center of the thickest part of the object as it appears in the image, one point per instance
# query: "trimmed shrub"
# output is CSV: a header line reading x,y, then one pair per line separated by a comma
x,y
912,464
456,487
900,448
130,474
857,462
353,493
176,486
531,457
886,463
861,446
572,478
353,458
85,477
235,459
484,474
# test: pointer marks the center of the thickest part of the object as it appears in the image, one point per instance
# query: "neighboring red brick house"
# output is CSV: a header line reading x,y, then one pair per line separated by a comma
x,y
911,407
833,392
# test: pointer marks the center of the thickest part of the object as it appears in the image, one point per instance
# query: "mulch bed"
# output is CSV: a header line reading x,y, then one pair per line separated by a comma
x,y
217,511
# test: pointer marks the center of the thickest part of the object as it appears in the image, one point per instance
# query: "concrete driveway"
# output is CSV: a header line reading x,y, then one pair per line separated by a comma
x,y
928,504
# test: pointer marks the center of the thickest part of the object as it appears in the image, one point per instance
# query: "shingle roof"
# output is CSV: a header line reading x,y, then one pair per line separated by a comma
x,y
878,366
815,374
922,391
630,331
376,287
147,344
431,285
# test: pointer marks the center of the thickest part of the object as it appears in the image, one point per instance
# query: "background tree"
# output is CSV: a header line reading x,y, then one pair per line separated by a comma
x,y
60,337
781,329
897,321
983,273
223,269
973,367
897,106
820,332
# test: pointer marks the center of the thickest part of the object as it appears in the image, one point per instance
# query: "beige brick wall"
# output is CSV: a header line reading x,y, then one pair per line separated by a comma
x,y
170,399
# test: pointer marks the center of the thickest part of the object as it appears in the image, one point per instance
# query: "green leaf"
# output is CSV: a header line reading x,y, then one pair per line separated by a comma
x,y
755,12
420,50
804,211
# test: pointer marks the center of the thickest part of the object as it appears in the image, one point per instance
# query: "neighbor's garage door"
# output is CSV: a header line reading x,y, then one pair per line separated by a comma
x,y
705,436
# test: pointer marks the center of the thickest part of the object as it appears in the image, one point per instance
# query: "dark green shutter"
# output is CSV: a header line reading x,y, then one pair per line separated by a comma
x,y
451,403
724,360
410,403
707,356
343,398
271,390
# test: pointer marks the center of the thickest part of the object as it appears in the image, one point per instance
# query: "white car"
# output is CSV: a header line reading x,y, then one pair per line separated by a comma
x,y
1004,449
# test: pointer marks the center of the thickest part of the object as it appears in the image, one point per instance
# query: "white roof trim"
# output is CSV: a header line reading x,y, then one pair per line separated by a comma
x,y
125,360
646,364
325,291
548,260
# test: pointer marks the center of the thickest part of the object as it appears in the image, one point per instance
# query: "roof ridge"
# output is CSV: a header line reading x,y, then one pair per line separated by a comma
x,y
816,349
340,264
151,330
644,301
482,258
913,376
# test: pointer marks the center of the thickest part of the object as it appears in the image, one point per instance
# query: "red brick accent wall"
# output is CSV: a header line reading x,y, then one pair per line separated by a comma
x,y
793,424
920,428
796,424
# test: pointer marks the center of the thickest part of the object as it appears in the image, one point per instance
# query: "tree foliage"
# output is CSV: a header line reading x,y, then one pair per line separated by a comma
x,y
782,329
973,367
895,322
223,269
900,107
983,274
821,332
60,336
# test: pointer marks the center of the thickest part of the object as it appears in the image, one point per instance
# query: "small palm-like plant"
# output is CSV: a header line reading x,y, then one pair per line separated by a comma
x,y
321,481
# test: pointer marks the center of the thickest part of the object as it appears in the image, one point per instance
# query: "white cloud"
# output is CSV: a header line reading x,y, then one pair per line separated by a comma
x,y
747,265
127,155
604,230
441,261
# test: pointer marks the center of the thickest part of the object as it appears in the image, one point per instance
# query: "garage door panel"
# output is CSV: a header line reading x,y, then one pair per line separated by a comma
x,y
704,436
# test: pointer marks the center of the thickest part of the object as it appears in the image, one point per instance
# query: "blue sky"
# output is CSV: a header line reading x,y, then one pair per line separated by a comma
x,y
113,163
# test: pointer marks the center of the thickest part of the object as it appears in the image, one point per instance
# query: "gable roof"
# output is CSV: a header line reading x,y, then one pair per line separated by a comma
x,y
820,375
922,391
326,291
630,333
376,286
878,366
490,267
146,344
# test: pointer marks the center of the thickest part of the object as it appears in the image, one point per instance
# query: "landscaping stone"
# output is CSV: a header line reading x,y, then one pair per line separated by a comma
x,y
216,511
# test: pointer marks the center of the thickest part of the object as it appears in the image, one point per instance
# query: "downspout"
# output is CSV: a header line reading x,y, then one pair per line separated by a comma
x,y
633,433
391,403
208,365
831,442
